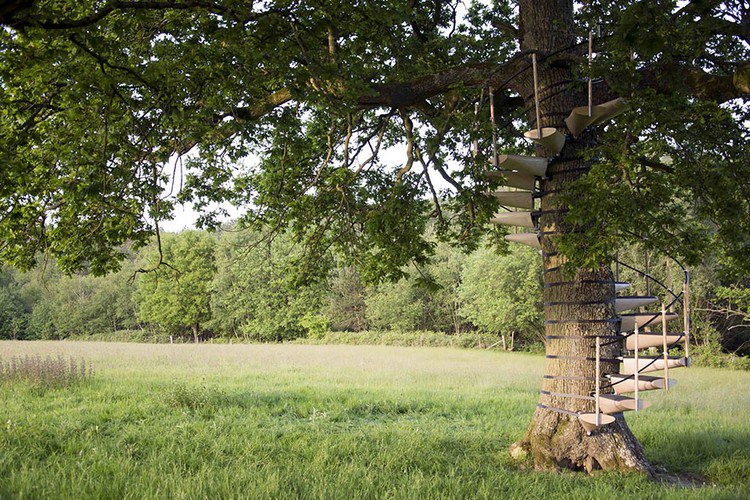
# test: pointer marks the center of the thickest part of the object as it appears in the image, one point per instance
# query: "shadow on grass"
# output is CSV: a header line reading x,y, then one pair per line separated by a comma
x,y
720,457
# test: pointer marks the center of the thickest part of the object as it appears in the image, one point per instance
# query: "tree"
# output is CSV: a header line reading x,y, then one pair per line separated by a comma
x,y
258,293
14,316
100,98
177,296
500,293
346,308
401,306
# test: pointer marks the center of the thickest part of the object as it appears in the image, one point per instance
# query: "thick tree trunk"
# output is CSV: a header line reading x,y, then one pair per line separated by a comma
x,y
196,332
578,307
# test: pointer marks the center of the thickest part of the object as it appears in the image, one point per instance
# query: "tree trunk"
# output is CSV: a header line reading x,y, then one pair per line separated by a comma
x,y
196,328
580,306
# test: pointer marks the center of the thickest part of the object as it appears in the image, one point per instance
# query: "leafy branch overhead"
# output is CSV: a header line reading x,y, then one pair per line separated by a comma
x,y
298,112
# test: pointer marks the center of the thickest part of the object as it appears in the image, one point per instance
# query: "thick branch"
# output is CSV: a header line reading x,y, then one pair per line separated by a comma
x,y
414,92
12,13
700,83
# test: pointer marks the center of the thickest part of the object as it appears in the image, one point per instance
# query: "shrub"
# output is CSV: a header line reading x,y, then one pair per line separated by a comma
x,y
419,338
47,372
317,325
192,398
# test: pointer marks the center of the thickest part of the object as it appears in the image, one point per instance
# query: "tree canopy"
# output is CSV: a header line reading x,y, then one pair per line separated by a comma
x,y
285,107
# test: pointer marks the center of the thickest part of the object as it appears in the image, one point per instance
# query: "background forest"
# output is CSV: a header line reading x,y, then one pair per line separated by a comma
x,y
234,285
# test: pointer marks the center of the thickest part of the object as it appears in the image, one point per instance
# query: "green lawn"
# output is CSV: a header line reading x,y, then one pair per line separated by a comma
x,y
285,421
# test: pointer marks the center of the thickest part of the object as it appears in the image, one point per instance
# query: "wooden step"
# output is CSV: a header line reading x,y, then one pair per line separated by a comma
x,y
623,384
588,420
516,199
514,179
653,339
628,364
531,165
579,118
624,303
616,403
643,319
529,239
551,139
523,219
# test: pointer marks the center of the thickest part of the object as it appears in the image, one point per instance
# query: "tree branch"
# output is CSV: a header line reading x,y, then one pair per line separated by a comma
x,y
702,84
11,12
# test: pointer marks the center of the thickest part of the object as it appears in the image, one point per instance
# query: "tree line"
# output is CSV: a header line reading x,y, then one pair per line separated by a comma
x,y
236,284
243,285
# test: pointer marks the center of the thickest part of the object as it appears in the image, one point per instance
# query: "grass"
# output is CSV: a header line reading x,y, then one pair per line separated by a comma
x,y
286,421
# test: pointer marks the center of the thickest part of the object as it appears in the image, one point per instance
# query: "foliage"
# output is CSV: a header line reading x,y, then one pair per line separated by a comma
x,y
401,305
44,304
13,316
103,102
346,307
501,294
316,325
177,295
257,292
709,353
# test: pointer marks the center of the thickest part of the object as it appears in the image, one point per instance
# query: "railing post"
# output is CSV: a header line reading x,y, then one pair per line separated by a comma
x,y
598,377
666,351
686,315
494,133
637,367
669,280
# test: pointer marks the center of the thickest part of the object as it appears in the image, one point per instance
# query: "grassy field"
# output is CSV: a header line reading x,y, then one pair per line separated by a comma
x,y
288,421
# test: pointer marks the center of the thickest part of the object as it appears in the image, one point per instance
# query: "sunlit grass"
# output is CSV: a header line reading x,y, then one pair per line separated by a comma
x,y
239,421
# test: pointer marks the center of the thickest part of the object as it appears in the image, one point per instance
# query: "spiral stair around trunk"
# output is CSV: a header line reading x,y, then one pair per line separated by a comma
x,y
635,330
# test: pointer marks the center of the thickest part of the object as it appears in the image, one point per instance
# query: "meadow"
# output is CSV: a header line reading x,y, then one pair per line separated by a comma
x,y
334,421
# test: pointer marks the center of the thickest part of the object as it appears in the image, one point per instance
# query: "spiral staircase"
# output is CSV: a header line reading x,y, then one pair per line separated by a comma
x,y
636,331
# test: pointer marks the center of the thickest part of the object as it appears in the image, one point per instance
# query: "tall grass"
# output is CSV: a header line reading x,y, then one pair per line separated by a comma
x,y
307,421
45,371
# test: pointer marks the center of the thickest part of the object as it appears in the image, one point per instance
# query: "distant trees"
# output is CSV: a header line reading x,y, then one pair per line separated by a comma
x,y
45,304
13,316
235,284
502,293
346,300
258,292
177,295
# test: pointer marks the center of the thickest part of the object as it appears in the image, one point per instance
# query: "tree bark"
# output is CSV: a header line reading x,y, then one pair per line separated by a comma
x,y
580,306
196,332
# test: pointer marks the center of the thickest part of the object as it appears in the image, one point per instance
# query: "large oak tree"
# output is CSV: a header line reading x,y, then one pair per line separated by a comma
x,y
284,107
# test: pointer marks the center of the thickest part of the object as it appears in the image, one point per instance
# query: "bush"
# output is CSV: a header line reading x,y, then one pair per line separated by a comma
x,y
142,336
192,398
711,355
317,325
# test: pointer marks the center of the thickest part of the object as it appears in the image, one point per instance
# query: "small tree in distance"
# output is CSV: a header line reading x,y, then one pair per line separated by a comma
x,y
177,296
501,293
